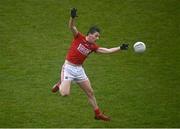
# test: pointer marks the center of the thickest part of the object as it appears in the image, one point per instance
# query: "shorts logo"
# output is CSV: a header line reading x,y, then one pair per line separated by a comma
x,y
82,49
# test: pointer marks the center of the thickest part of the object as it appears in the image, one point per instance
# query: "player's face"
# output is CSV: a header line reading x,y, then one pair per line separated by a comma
x,y
93,37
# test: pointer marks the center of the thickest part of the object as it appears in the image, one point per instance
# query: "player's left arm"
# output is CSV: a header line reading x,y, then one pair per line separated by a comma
x,y
112,50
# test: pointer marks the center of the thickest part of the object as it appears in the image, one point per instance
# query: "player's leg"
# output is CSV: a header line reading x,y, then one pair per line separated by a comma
x,y
57,85
64,88
86,87
64,85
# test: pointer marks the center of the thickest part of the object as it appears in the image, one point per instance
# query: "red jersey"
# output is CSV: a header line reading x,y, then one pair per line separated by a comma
x,y
79,50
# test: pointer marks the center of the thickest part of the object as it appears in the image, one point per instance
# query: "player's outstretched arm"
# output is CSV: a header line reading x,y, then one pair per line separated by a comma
x,y
112,50
72,26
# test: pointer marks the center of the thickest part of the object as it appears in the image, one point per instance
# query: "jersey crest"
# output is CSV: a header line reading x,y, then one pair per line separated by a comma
x,y
83,50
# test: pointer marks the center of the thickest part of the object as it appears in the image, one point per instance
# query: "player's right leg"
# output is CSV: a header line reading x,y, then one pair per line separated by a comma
x,y
64,88
57,85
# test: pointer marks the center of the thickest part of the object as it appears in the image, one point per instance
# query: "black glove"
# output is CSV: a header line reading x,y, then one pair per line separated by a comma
x,y
73,12
124,46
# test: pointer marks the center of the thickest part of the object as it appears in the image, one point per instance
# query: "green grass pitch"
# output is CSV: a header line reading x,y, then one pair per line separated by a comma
x,y
136,90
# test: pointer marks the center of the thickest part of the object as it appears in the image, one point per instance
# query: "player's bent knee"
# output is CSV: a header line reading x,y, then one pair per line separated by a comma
x,y
64,93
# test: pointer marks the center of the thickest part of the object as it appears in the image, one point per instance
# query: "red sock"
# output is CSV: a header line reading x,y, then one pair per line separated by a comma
x,y
58,84
97,111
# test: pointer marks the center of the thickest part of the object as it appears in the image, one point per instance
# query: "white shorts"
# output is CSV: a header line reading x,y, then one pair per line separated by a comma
x,y
73,73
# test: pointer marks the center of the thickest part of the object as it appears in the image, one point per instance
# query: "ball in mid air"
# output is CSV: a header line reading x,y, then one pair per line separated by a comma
x,y
139,47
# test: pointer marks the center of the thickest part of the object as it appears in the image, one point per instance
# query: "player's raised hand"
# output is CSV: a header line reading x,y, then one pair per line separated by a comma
x,y
73,12
124,46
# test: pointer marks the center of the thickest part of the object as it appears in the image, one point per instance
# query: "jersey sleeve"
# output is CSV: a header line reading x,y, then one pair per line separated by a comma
x,y
78,35
95,47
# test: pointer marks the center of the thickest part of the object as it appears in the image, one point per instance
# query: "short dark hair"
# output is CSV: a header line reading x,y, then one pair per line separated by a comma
x,y
93,29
